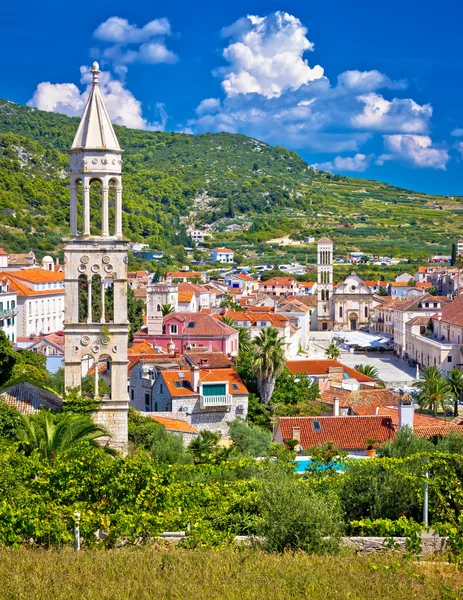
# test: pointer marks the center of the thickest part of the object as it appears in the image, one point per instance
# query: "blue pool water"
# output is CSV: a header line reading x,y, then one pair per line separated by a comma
x,y
302,465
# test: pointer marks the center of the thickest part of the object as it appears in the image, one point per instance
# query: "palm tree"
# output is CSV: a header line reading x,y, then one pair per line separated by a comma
x,y
50,434
455,381
332,351
433,390
204,447
167,309
269,361
370,371
228,321
244,339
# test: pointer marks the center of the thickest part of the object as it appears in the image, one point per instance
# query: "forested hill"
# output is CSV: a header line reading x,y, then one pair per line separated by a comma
x,y
164,173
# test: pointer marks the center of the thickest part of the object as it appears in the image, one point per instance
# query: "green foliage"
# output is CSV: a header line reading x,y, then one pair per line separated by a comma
x,y
50,434
164,172
8,359
406,444
74,402
135,312
296,517
324,454
268,360
332,351
434,391
250,440
10,421
167,448
378,489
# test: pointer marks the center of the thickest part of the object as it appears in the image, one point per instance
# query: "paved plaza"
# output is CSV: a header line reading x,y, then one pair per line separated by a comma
x,y
395,372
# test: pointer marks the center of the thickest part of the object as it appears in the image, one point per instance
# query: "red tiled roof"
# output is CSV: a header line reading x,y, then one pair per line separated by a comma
x,y
205,375
275,320
321,366
361,402
3,253
210,360
226,250
22,289
204,324
423,425
184,274
37,276
185,296
278,281
348,433
453,312
421,285
173,424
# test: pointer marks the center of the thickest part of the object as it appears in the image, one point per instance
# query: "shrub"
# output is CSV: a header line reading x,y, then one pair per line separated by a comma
x,y
167,448
373,489
296,517
250,440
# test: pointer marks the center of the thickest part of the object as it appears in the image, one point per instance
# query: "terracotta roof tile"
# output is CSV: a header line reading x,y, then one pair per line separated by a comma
x,y
206,375
320,367
37,276
173,424
348,433
361,402
453,312
204,324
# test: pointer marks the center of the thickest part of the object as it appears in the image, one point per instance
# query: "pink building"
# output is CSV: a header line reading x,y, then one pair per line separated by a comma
x,y
193,330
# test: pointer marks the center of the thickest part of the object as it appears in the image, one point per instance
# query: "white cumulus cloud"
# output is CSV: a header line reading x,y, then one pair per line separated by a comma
x,y
357,163
271,93
130,43
119,31
416,150
400,115
458,132
266,55
367,81
123,107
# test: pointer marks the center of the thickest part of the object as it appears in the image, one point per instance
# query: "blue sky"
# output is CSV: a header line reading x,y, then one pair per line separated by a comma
x,y
365,89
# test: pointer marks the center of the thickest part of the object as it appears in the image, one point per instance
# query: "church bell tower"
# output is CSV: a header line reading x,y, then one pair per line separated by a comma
x,y
324,284
95,271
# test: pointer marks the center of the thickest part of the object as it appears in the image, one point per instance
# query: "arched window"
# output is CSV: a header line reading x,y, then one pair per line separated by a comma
x,y
366,311
340,312
96,195
83,299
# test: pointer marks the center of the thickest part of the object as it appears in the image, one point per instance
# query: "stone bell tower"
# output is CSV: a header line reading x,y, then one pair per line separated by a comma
x,y
324,284
96,262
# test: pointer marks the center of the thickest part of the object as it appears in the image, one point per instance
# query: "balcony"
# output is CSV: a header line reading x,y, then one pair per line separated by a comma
x,y
216,401
7,314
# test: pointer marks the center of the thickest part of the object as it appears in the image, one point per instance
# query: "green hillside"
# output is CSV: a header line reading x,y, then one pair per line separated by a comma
x,y
219,176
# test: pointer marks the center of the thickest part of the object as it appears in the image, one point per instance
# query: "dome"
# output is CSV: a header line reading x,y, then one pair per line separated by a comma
x,y
95,66
47,259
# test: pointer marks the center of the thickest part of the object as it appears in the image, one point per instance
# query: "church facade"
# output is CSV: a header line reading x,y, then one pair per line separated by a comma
x,y
95,316
346,306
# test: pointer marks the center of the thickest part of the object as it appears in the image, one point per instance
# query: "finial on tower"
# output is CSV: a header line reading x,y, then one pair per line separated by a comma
x,y
95,71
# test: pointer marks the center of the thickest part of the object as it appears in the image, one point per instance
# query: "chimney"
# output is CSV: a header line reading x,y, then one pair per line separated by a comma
x,y
406,411
336,407
57,261
194,378
170,347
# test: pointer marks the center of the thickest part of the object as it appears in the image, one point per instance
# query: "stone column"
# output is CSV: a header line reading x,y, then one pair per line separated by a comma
x,y
103,316
104,212
95,391
118,210
73,219
89,300
86,210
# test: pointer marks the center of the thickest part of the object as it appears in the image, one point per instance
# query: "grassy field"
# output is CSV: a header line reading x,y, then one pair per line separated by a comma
x,y
225,574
